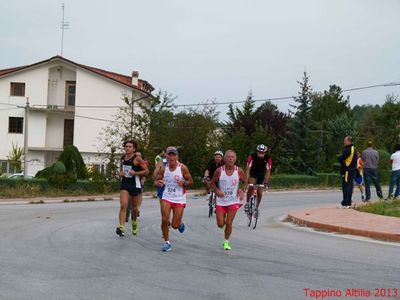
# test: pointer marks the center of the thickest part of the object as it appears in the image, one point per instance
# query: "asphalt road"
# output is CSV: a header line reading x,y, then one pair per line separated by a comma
x,y
71,251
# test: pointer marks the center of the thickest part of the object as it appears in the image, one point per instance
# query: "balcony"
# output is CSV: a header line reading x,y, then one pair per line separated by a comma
x,y
53,108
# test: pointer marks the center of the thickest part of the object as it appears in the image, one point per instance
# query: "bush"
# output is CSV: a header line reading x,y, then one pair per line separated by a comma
x,y
297,180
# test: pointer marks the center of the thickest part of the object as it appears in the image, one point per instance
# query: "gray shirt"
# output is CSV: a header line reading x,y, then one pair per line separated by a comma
x,y
370,158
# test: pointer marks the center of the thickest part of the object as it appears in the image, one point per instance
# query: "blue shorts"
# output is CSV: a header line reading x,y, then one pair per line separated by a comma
x,y
160,191
359,180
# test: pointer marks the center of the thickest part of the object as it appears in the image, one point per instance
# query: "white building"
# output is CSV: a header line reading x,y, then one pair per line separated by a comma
x,y
67,103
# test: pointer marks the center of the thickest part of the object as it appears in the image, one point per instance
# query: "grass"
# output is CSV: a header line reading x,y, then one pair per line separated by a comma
x,y
385,208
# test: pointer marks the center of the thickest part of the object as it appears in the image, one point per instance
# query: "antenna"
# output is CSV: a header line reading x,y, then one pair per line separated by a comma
x,y
64,25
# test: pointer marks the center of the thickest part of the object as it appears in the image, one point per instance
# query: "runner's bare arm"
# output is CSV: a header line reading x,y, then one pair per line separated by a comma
x,y
158,177
188,180
214,183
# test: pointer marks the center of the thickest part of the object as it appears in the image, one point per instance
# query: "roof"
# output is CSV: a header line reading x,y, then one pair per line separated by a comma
x,y
142,85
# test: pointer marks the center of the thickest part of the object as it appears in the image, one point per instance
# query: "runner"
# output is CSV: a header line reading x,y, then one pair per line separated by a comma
x,y
212,165
159,163
131,168
175,177
258,171
225,183
142,183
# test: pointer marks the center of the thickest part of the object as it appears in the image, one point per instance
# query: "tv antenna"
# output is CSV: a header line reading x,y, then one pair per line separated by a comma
x,y
64,25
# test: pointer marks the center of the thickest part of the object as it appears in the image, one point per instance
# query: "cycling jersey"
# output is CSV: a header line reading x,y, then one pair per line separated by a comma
x,y
212,166
259,166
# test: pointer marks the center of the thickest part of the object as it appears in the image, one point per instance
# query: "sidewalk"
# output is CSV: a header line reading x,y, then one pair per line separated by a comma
x,y
348,221
67,199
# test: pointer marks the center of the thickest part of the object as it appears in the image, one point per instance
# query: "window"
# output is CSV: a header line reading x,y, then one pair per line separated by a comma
x,y
17,89
70,93
68,132
15,125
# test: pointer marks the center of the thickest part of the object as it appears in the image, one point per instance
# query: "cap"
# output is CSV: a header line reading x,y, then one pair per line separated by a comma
x,y
369,144
172,150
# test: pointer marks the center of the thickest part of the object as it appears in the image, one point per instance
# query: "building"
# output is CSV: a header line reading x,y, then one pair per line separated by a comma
x,y
68,103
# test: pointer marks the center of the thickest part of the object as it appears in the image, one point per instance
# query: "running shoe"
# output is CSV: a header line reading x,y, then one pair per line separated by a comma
x,y
181,227
135,227
120,231
246,207
166,247
226,245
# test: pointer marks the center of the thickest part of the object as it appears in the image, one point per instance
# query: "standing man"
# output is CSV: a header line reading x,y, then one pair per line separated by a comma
x,y
371,161
225,183
348,166
395,175
132,167
176,177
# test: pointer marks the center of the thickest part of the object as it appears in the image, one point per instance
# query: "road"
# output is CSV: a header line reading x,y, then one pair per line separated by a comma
x,y
71,251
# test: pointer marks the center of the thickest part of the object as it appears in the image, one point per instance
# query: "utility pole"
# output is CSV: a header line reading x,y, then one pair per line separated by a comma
x,y
26,137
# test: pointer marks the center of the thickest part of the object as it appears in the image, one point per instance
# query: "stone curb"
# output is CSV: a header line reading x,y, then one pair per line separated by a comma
x,y
343,229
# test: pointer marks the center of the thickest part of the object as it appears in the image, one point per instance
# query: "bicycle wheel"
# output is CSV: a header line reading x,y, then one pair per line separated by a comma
x,y
210,205
255,218
250,212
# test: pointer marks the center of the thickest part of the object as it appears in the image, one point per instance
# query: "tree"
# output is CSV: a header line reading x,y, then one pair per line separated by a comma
x,y
249,126
325,107
388,120
15,157
145,120
302,144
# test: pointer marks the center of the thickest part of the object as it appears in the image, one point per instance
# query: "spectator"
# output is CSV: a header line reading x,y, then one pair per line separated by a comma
x,y
359,180
370,158
348,166
395,176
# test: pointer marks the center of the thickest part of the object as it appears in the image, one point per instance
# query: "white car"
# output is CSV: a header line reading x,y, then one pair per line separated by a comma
x,y
20,176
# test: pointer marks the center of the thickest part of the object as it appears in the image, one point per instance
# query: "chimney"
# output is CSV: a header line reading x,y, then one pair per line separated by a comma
x,y
135,78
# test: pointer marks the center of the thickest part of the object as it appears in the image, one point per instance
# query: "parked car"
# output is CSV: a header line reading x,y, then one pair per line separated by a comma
x,y
20,176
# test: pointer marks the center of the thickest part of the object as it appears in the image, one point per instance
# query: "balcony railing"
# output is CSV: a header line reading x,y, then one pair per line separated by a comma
x,y
53,107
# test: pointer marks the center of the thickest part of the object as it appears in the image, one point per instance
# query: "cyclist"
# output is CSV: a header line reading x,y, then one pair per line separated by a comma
x,y
132,167
176,177
258,171
212,165
225,183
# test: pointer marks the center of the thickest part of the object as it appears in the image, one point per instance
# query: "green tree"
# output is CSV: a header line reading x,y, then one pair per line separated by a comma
x,y
15,157
326,107
302,144
388,124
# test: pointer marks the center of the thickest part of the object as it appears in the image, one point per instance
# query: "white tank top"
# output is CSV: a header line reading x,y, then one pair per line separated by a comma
x,y
229,185
173,192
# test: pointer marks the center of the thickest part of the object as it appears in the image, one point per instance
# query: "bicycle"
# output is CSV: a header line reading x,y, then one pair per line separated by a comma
x,y
211,204
252,213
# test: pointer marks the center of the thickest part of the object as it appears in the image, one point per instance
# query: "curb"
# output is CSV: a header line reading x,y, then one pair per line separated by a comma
x,y
352,228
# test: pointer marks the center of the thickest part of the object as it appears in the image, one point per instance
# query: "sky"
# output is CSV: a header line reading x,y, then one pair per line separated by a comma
x,y
217,50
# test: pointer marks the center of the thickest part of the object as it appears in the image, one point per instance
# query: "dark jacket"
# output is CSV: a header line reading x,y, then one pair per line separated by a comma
x,y
348,159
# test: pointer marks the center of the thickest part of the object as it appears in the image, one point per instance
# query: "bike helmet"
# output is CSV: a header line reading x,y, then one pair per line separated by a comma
x,y
219,152
262,148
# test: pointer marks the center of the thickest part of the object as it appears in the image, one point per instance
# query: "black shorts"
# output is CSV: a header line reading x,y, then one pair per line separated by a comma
x,y
260,177
132,190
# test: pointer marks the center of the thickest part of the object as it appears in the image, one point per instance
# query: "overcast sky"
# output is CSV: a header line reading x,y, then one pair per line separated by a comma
x,y
220,49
